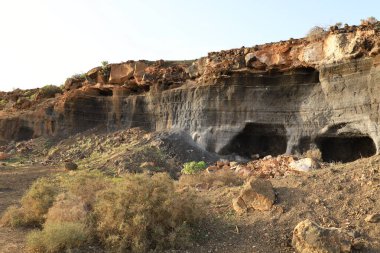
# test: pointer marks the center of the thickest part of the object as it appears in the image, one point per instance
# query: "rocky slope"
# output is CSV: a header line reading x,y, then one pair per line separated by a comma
x,y
284,97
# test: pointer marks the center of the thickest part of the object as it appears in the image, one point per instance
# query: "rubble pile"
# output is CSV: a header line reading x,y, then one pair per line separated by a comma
x,y
268,167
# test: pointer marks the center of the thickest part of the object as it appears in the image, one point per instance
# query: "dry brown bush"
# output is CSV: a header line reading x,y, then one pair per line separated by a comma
x,y
316,33
136,213
34,205
58,237
314,154
80,186
145,213
368,21
67,208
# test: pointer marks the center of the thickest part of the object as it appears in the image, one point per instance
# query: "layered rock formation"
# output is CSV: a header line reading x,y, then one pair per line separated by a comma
x,y
284,97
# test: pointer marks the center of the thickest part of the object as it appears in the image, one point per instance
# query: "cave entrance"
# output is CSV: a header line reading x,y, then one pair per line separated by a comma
x,y
24,133
257,138
345,148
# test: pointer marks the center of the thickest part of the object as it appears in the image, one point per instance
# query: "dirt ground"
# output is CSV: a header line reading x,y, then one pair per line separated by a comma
x,y
14,181
337,196
340,195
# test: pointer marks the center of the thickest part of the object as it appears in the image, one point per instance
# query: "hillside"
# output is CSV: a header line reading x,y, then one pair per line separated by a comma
x,y
271,148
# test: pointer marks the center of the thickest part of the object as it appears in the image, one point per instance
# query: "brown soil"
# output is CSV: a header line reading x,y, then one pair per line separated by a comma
x,y
341,195
13,183
337,196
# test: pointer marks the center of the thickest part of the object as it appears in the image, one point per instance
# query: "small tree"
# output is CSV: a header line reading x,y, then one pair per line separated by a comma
x,y
339,24
369,21
316,33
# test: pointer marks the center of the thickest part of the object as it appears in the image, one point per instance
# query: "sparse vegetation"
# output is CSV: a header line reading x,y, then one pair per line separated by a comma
x,y
79,76
104,64
135,213
3,103
49,91
339,24
369,21
193,167
106,69
207,180
316,33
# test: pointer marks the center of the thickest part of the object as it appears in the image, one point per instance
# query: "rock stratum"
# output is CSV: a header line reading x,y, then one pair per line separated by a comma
x,y
284,97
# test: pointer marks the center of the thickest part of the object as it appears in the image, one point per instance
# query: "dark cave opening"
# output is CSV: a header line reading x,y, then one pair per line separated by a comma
x,y
257,138
345,148
24,133
105,92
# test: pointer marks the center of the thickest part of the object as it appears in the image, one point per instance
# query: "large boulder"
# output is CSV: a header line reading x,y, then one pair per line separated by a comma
x,y
139,72
121,72
257,194
308,237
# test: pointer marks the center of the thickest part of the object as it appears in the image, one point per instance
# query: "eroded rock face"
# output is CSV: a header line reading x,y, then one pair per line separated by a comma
x,y
308,237
276,98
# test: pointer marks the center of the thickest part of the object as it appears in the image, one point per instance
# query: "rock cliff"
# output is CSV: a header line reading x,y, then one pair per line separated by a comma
x,y
283,97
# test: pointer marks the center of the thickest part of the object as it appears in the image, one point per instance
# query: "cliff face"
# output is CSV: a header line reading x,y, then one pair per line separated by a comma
x,y
269,99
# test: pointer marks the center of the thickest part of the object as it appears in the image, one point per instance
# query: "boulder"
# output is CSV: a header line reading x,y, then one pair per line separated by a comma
x,y
373,218
93,73
212,169
121,73
238,205
73,83
3,156
139,72
71,166
305,164
257,194
308,237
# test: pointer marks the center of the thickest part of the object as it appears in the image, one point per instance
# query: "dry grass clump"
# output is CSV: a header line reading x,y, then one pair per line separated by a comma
x,y
145,213
222,177
136,213
34,205
67,208
58,237
314,154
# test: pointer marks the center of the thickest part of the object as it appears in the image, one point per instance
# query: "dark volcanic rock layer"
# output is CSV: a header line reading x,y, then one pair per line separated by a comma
x,y
284,97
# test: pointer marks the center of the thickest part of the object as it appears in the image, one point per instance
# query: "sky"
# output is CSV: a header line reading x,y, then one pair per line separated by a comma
x,y
45,41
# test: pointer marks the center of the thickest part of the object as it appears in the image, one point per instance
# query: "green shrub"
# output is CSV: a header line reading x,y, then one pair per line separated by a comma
x,y
106,69
49,91
3,103
193,167
145,213
58,237
79,76
104,64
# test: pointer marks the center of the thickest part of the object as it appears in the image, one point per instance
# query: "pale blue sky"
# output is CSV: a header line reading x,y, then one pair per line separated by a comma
x,y
44,41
